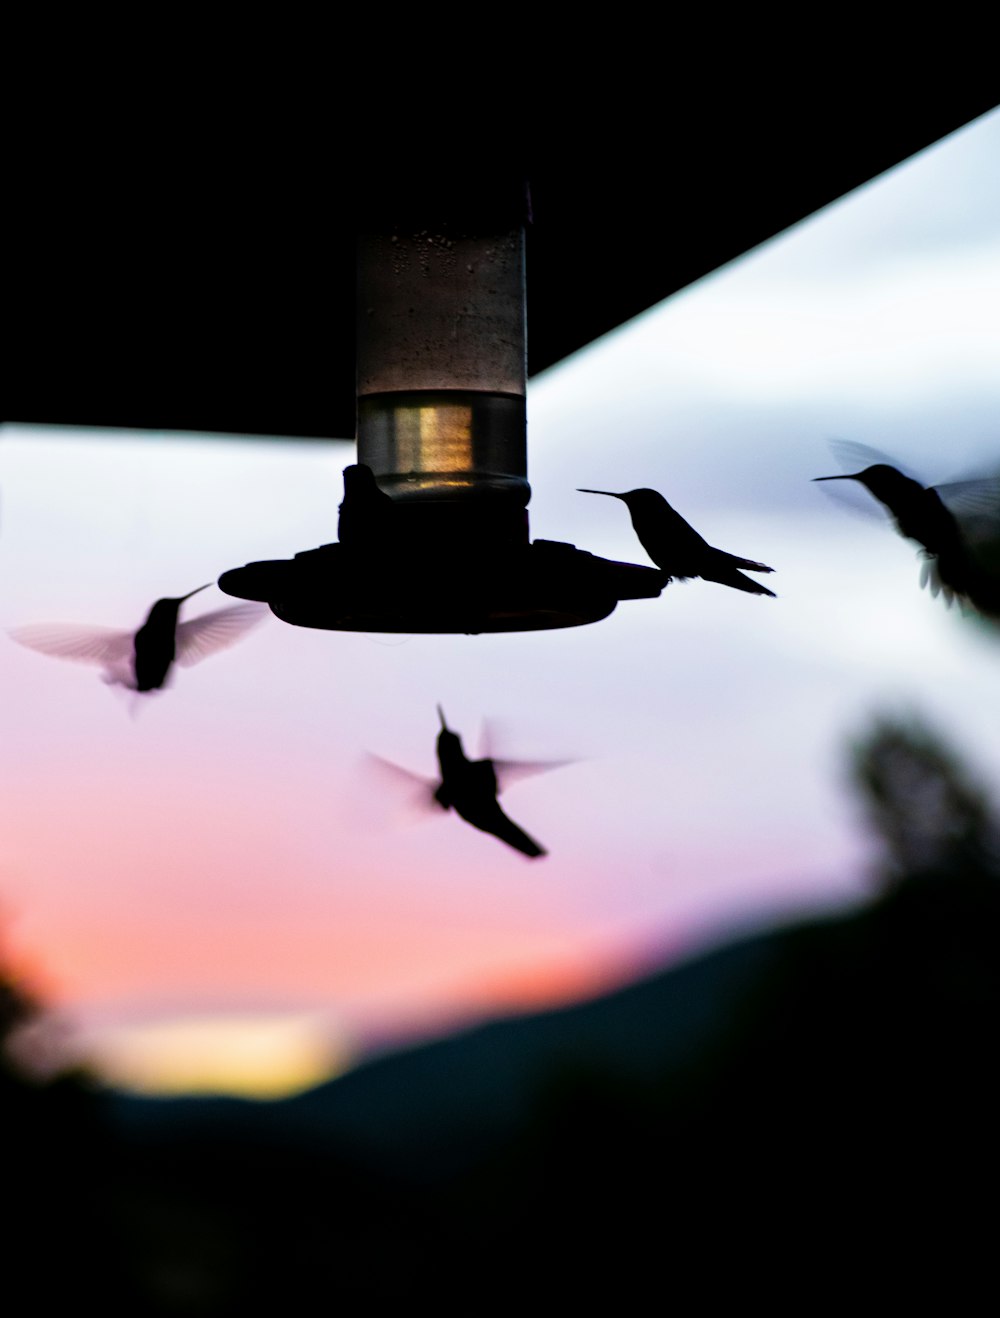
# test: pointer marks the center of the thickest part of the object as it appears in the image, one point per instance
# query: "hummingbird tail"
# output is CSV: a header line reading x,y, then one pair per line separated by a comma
x,y
722,567
732,560
507,831
531,849
739,582
519,840
488,817
755,588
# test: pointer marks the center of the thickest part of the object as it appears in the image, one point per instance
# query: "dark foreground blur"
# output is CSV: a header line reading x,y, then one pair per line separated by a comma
x,y
805,1116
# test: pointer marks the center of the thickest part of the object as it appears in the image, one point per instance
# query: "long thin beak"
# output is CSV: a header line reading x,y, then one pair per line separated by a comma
x,y
835,478
610,493
444,726
195,592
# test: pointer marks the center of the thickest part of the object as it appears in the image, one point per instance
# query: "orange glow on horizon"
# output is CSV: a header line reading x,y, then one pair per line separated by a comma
x,y
544,985
271,1056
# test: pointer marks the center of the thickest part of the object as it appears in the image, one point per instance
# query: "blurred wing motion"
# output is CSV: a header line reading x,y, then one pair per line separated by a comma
x,y
974,501
508,772
853,456
399,777
215,631
410,794
971,498
107,646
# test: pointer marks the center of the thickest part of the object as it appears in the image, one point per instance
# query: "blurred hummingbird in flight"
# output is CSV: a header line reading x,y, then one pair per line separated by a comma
x,y
676,547
941,519
142,660
469,787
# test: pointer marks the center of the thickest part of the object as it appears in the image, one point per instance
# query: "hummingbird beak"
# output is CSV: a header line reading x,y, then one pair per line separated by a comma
x,y
195,592
835,478
444,726
610,493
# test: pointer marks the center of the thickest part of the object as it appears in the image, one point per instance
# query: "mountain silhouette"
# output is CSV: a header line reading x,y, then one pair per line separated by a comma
x,y
432,1110
829,1081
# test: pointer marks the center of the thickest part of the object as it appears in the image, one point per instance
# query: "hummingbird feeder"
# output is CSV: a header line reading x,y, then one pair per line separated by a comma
x,y
439,540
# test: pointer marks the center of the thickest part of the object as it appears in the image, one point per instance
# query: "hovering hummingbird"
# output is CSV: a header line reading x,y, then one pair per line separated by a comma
x,y
469,787
366,513
930,515
142,660
677,549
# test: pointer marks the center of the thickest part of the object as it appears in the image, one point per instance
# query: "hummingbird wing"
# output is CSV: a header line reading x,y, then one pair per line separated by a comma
x,y
510,771
853,456
92,645
214,631
395,773
969,569
974,499
408,794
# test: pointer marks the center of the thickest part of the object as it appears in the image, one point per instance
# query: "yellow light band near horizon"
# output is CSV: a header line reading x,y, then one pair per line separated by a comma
x,y
253,1057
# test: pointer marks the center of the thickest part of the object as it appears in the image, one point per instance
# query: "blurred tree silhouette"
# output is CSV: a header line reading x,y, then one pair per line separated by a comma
x,y
923,804
54,1153
16,1009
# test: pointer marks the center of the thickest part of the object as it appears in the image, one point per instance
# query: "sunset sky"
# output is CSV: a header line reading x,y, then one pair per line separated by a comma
x,y
220,892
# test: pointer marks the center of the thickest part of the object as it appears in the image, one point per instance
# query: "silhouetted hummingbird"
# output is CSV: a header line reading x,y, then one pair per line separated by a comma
x,y
922,513
366,513
677,549
142,660
469,787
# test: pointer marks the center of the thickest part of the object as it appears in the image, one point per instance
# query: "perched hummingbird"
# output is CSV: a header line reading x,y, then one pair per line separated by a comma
x,y
927,514
677,549
470,788
142,660
366,513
